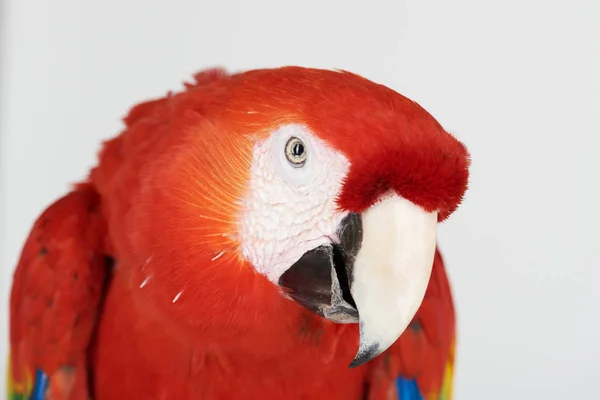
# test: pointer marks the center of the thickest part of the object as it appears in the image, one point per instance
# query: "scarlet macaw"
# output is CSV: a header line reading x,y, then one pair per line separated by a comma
x,y
262,235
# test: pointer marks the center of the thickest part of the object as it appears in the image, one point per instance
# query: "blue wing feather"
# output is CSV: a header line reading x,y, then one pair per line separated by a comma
x,y
408,389
40,385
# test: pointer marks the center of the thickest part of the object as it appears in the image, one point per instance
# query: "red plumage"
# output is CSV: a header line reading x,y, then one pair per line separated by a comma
x,y
202,327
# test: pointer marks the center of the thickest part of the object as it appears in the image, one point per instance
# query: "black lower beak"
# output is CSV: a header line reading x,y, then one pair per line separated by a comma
x,y
321,279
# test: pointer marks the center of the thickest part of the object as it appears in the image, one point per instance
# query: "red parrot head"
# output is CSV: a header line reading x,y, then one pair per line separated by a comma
x,y
269,188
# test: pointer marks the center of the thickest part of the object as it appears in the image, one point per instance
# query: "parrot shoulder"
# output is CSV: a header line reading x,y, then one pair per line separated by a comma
x,y
56,296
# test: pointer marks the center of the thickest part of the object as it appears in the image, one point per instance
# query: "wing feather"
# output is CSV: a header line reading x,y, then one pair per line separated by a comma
x,y
57,289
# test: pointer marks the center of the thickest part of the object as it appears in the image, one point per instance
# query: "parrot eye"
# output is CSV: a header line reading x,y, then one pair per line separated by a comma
x,y
295,152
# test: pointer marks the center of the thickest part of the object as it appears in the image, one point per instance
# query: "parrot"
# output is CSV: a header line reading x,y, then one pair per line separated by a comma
x,y
261,234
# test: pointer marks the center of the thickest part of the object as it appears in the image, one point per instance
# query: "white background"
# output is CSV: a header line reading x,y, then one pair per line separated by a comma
x,y
517,80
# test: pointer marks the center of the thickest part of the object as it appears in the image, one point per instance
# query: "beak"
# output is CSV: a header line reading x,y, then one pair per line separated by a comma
x,y
391,272
375,273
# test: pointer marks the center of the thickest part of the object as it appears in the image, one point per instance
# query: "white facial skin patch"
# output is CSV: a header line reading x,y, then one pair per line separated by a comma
x,y
290,208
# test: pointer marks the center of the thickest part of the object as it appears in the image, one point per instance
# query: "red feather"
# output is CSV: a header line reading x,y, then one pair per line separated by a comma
x,y
185,315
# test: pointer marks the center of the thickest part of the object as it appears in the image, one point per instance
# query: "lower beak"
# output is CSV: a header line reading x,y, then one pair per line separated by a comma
x,y
376,274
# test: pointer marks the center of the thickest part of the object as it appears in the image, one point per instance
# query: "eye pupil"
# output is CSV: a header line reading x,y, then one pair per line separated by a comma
x,y
298,149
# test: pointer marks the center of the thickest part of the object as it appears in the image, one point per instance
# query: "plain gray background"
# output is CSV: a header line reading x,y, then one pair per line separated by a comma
x,y
517,80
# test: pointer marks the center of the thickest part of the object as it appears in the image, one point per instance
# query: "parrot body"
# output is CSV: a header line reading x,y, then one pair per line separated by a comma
x,y
172,272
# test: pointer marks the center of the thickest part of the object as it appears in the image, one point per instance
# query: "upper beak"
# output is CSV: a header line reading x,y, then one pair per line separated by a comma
x,y
376,274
